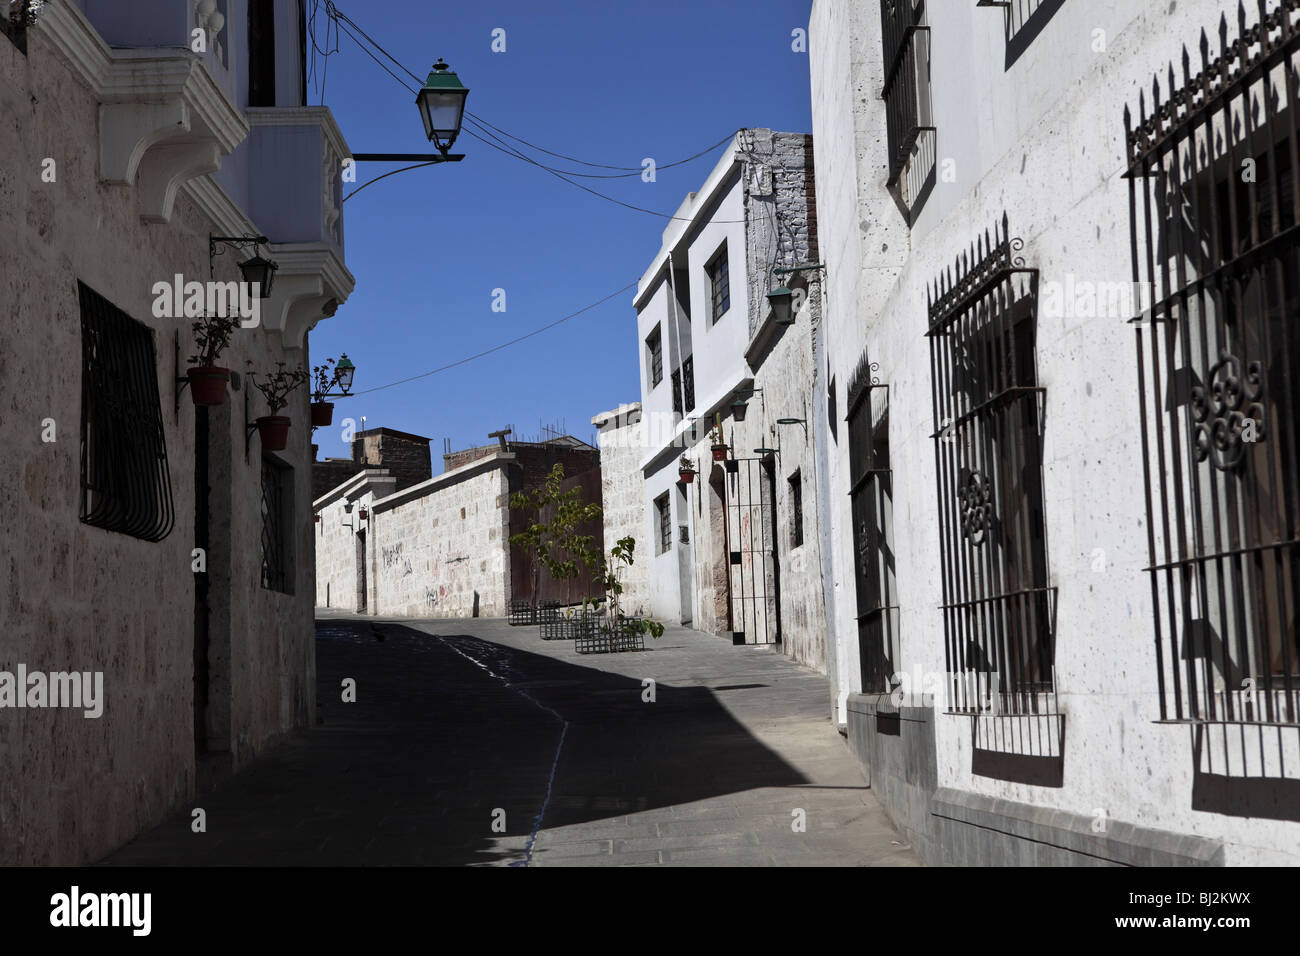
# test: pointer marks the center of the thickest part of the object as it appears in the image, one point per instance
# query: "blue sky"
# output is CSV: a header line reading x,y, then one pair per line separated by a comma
x,y
606,82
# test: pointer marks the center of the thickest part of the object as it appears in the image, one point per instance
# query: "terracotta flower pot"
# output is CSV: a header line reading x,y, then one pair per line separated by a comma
x,y
322,414
719,452
365,514
208,384
687,475
274,432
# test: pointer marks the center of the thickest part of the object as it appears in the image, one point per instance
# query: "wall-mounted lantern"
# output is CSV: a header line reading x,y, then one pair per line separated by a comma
x,y
255,269
782,301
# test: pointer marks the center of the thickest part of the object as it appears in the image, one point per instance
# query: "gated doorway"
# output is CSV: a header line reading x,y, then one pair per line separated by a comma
x,y
755,576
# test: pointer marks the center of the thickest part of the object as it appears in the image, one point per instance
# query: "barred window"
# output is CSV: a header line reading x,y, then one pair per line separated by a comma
x,y
871,500
655,355
277,525
677,391
796,510
688,383
125,481
1216,240
719,284
998,608
665,523
905,36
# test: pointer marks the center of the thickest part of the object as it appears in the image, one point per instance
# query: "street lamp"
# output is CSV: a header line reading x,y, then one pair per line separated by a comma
x,y
343,372
442,106
254,270
781,300
261,271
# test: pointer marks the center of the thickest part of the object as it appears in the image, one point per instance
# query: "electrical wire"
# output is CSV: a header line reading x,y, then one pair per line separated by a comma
x,y
503,345
346,24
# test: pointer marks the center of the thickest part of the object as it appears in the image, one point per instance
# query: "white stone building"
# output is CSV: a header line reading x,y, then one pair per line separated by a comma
x,y
1035,468
735,551
122,151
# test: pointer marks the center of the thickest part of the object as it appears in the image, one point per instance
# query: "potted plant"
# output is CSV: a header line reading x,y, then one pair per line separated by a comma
x,y
364,513
718,446
322,412
686,470
207,379
273,429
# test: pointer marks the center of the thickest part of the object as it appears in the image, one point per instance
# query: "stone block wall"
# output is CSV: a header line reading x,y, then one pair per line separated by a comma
x,y
77,597
441,551
435,549
622,445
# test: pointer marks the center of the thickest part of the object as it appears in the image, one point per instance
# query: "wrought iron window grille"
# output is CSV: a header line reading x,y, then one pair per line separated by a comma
x,y
125,480
1212,164
871,497
277,542
910,128
998,606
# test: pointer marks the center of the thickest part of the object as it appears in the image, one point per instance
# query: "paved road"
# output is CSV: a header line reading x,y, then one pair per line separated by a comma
x,y
472,742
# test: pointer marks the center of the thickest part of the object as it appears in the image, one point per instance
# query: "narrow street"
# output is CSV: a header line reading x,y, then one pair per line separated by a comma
x,y
457,720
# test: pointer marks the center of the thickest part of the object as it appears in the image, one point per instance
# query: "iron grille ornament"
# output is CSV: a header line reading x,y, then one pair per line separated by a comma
x,y
1219,252
998,604
1219,422
976,509
125,480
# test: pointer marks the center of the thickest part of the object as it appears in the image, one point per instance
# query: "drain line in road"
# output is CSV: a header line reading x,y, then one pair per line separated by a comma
x,y
555,763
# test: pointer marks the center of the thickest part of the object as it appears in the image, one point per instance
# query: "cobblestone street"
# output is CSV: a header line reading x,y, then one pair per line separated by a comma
x,y
457,721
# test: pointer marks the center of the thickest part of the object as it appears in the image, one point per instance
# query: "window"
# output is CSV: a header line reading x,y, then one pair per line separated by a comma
x,y
684,387
261,54
655,353
905,36
871,504
998,613
1219,368
665,523
125,482
277,525
719,284
796,510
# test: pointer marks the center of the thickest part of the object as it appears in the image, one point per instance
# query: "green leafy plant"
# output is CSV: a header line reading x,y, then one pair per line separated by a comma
x,y
325,376
621,558
211,337
685,464
279,385
555,544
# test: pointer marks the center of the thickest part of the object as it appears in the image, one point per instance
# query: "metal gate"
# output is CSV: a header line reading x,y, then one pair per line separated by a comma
x,y
755,576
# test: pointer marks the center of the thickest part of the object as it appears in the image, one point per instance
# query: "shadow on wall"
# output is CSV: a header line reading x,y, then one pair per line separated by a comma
x,y
411,773
1025,21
